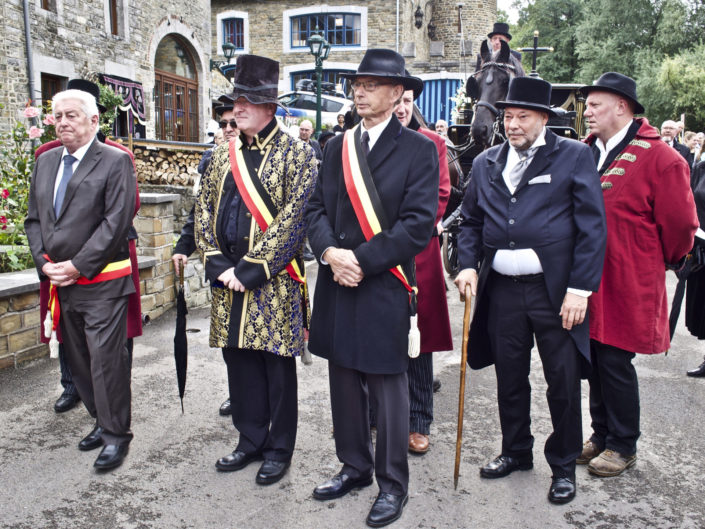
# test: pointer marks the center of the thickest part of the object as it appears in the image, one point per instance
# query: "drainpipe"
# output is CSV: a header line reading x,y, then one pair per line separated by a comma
x,y
28,48
397,38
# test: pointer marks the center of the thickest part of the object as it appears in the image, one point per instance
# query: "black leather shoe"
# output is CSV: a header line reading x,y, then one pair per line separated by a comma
x,y
698,371
225,408
562,490
111,456
271,471
92,440
236,461
339,485
66,402
436,385
502,466
386,509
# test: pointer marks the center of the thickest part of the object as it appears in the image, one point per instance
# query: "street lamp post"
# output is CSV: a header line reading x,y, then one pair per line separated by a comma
x,y
319,48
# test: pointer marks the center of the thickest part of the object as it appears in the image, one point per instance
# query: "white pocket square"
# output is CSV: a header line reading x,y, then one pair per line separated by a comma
x,y
541,179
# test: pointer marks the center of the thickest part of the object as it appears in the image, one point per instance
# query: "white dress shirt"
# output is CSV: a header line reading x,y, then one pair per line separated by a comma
x,y
79,154
524,261
611,144
376,131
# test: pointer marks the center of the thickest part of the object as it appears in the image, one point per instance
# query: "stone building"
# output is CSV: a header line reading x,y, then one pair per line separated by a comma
x,y
424,31
156,54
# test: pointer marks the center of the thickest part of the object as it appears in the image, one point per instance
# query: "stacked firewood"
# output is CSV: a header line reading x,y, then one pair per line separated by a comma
x,y
164,166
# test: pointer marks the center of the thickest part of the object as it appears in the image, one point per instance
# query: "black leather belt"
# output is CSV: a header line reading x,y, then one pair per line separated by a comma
x,y
527,278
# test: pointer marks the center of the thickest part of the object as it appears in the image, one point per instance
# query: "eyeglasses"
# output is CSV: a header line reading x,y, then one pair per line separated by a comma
x,y
369,86
224,123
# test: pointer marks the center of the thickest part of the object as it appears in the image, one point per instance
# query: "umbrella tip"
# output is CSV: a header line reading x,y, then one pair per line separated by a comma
x,y
182,405
455,483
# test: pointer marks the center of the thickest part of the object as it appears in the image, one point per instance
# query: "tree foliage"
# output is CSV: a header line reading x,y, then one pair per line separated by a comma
x,y
659,43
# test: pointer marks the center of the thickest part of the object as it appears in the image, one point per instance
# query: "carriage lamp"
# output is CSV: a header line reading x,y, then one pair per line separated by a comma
x,y
319,48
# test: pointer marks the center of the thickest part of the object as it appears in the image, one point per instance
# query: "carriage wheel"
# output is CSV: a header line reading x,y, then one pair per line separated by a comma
x,y
449,251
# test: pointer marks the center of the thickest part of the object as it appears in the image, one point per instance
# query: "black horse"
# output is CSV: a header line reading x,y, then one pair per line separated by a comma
x,y
486,86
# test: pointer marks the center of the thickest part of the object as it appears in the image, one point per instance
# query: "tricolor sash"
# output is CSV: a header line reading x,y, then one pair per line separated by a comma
x,y
257,200
111,271
364,197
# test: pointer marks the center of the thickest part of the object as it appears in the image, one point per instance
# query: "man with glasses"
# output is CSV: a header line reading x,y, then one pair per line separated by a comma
x,y
186,244
372,211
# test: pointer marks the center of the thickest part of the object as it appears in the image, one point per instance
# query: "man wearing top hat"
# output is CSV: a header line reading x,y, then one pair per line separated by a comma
x,y
372,211
534,226
499,33
249,230
651,221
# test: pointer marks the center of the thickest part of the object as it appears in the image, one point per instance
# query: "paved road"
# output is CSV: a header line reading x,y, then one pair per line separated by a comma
x,y
169,479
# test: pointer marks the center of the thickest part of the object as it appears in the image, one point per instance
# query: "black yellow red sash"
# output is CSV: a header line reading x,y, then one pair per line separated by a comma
x,y
363,195
257,200
111,271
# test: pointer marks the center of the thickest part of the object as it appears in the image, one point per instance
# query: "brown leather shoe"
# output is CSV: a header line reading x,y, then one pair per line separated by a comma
x,y
418,443
590,450
610,463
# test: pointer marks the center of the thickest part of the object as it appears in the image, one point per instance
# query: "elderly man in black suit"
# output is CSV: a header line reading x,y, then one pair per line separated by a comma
x,y
81,204
372,211
534,224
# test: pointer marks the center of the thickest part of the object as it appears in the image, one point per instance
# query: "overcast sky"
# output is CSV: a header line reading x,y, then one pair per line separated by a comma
x,y
506,5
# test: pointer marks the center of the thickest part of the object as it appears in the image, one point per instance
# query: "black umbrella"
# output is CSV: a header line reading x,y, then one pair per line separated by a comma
x,y
180,343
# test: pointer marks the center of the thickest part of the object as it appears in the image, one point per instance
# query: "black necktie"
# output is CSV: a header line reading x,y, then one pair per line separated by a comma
x,y
365,143
65,177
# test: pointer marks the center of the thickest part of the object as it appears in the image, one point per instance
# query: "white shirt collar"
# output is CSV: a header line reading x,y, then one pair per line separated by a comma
x,y
80,152
613,141
376,131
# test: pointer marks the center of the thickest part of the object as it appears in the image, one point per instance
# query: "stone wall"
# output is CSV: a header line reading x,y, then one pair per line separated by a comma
x,y
20,325
73,39
267,34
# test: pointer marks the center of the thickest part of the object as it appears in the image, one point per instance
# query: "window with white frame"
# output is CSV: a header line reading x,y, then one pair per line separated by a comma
x,y
343,26
233,27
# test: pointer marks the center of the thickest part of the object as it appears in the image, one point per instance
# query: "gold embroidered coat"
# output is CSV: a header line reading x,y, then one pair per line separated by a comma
x,y
270,314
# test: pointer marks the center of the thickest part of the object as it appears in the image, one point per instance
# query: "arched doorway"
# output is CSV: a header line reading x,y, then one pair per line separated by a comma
x,y
175,91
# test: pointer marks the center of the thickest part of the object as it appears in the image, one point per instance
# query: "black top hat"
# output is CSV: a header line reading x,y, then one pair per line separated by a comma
x,y
528,92
500,28
386,64
256,79
616,83
417,89
87,86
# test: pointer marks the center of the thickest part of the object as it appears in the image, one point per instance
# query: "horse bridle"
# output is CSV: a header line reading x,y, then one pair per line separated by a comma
x,y
497,126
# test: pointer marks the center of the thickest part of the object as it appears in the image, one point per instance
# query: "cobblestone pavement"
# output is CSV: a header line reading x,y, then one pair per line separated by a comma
x,y
169,479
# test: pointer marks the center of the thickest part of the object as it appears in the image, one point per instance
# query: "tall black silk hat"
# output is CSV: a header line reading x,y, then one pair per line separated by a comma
x,y
89,87
500,28
256,79
386,64
616,83
528,92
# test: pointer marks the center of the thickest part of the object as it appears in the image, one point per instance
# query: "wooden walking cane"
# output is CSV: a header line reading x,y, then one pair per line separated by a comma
x,y
461,397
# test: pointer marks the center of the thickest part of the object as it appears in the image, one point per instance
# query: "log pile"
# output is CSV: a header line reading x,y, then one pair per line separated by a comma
x,y
166,166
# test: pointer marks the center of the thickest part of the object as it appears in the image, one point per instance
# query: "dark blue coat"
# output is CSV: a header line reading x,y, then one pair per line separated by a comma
x,y
366,327
563,221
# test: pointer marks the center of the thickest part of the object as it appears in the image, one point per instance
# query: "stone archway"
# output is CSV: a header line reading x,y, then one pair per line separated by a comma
x,y
177,57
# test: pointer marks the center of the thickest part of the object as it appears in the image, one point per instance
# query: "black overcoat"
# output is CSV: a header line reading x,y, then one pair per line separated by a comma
x,y
366,327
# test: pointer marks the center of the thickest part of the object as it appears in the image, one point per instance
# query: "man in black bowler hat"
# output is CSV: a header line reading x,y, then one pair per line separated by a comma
x,y
534,226
372,211
651,220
